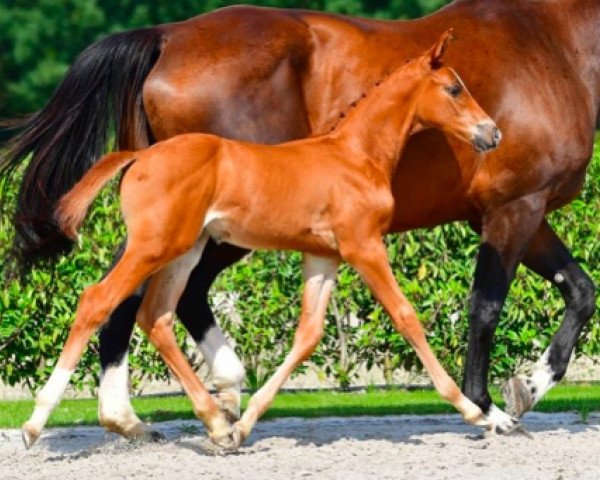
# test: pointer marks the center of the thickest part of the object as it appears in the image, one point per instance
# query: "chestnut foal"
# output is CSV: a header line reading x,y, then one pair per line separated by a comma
x,y
328,196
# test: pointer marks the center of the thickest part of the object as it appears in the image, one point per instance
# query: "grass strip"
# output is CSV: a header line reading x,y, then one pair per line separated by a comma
x,y
582,398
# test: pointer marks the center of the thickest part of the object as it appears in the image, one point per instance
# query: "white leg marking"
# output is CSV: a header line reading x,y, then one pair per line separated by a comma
x,y
499,422
114,407
541,379
225,367
523,391
48,398
226,370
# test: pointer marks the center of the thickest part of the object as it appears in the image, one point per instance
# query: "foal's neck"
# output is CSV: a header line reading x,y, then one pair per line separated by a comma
x,y
380,124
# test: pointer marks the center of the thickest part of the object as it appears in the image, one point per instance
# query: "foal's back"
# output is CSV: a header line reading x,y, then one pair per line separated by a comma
x,y
256,196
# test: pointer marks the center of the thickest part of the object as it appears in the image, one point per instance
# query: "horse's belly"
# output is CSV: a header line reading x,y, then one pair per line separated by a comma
x,y
270,234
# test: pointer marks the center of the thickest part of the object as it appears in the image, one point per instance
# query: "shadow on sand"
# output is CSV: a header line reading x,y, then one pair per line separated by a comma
x,y
81,442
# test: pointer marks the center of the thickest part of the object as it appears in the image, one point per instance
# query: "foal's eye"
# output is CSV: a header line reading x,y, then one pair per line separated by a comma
x,y
454,90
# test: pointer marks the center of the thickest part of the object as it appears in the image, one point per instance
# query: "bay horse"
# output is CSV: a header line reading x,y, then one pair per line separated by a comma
x,y
269,75
329,197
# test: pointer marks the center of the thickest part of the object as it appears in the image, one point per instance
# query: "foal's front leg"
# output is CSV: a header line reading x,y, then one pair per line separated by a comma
x,y
319,280
369,258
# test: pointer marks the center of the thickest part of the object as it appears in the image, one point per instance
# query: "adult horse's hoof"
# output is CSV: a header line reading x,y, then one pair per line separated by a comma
x,y
131,429
517,396
500,423
29,434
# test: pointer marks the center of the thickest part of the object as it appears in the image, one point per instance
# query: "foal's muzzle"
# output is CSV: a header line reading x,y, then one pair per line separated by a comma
x,y
486,137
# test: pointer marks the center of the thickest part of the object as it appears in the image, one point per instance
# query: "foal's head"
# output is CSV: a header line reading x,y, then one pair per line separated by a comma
x,y
444,102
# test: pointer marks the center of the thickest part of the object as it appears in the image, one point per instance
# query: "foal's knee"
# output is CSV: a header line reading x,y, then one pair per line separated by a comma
x,y
159,329
307,340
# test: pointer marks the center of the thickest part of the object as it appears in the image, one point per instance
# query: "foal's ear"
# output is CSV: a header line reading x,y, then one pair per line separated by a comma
x,y
437,51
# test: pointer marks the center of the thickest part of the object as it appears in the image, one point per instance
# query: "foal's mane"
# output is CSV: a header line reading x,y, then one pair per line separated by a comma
x,y
363,95
355,102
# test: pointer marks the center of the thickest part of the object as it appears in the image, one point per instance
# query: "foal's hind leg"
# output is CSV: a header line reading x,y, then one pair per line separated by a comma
x,y
369,258
548,256
95,305
115,411
155,317
319,279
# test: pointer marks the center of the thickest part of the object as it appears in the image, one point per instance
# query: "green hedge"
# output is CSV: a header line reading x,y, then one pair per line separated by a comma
x,y
257,302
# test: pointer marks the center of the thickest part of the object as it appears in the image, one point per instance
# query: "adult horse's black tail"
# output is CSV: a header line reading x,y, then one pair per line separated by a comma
x,y
100,93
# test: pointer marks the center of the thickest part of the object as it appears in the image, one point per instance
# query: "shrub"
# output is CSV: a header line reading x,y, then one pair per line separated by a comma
x,y
257,302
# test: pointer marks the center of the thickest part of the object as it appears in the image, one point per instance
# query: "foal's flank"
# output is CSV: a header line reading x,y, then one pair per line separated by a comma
x,y
327,196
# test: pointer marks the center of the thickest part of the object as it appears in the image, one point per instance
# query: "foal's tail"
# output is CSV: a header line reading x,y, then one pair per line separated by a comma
x,y
73,206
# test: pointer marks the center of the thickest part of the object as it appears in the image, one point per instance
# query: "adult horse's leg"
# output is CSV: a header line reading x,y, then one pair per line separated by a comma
x,y
319,280
115,411
114,407
548,256
226,370
506,233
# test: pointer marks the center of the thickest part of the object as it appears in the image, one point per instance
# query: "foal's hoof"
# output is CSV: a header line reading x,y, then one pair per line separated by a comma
x,y
232,414
238,435
223,444
29,434
518,397
149,435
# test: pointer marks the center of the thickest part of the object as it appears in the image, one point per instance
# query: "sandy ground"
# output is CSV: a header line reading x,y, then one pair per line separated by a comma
x,y
411,447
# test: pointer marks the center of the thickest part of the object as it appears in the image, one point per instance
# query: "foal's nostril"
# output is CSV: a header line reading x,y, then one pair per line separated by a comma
x,y
486,137
496,136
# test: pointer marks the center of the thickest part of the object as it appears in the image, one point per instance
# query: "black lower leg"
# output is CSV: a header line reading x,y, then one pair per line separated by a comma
x,y
549,257
580,302
116,333
193,309
489,293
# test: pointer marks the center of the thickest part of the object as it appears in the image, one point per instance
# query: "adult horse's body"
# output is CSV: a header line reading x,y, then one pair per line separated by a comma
x,y
270,75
